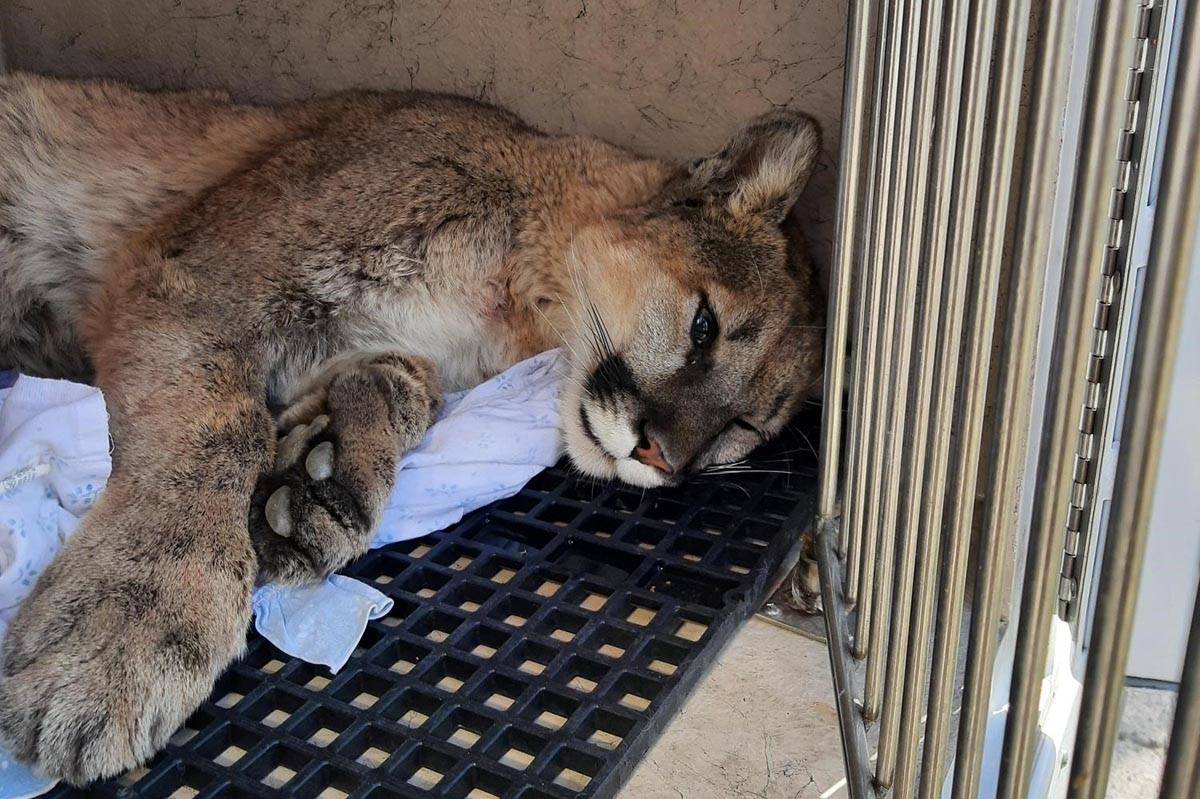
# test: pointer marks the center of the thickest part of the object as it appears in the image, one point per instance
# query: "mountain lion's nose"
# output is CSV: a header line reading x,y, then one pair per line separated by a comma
x,y
650,453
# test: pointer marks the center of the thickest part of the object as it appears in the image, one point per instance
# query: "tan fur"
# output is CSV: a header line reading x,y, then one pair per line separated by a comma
x,y
319,269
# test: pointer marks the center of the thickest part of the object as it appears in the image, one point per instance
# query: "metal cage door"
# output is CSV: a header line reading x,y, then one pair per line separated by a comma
x,y
993,162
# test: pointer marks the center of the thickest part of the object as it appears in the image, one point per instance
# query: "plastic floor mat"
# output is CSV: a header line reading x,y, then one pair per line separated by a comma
x,y
535,651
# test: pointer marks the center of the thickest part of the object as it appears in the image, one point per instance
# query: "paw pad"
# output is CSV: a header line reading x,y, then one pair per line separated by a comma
x,y
292,446
319,463
278,511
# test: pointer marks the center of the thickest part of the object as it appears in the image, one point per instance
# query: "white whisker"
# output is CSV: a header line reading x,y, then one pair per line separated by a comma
x,y
806,441
561,337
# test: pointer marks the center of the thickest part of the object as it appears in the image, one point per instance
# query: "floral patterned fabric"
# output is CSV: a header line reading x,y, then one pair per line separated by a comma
x,y
54,460
486,445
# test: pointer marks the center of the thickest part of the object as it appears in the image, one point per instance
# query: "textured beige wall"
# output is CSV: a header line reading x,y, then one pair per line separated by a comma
x,y
668,77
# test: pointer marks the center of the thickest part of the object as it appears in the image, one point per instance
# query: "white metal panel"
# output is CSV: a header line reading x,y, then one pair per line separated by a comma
x,y
1172,568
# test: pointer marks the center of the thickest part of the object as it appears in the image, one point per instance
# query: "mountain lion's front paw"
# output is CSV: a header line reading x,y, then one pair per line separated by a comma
x,y
101,667
78,721
335,469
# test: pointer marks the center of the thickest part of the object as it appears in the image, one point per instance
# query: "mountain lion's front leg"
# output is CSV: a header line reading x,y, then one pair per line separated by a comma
x,y
336,463
125,632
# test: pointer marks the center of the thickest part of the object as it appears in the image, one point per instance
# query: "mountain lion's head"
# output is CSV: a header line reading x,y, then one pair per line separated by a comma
x,y
699,325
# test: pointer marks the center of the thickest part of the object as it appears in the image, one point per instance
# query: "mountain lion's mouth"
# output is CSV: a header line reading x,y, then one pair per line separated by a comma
x,y
589,431
594,435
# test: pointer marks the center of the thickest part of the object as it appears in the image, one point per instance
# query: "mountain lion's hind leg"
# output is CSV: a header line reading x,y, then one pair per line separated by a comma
x,y
336,463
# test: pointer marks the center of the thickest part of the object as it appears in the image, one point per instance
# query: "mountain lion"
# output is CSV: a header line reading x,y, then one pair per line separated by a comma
x,y
273,299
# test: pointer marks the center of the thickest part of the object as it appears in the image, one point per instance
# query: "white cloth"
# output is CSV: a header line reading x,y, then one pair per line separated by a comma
x,y
54,460
486,445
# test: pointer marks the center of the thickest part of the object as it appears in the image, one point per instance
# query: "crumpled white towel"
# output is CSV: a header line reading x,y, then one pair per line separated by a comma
x,y
54,460
486,445
319,623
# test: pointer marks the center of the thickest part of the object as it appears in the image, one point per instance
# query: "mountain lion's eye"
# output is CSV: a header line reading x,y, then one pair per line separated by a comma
x,y
745,425
704,326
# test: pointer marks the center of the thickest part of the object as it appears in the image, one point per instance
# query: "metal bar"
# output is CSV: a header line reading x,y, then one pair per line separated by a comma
x,y
1033,218
861,540
854,480
854,739
881,162
990,232
922,514
1172,245
904,470
887,387
848,249
1085,247
1181,774
846,239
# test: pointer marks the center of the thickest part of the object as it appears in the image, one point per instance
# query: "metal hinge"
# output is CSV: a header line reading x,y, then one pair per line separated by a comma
x,y
1106,319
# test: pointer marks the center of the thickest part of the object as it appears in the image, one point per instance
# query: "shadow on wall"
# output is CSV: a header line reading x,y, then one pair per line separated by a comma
x,y
668,77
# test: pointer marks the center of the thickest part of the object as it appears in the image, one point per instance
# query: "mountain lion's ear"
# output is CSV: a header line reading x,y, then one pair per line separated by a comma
x,y
763,169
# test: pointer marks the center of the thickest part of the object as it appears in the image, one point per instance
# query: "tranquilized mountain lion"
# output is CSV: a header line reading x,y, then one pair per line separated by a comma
x,y
271,299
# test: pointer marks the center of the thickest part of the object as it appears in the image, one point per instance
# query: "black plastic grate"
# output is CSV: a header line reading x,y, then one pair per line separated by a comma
x,y
535,650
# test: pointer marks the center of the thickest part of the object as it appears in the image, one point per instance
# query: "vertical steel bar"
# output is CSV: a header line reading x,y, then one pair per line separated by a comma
x,y
903,472
860,570
1081,273
1033,220
848,251
873,266
922,515
854,740
845,251
889,386
990,234
854,480
1172,246
1181,773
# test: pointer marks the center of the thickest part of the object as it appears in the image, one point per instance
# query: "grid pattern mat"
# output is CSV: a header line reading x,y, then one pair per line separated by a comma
x,y
535,650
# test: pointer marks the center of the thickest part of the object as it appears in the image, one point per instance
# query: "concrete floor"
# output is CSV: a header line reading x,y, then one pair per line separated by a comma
x,y
1140,752
762,725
